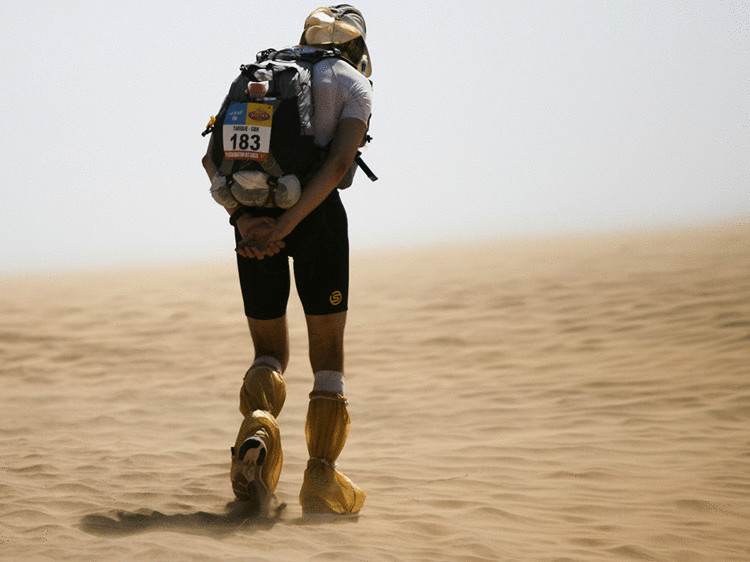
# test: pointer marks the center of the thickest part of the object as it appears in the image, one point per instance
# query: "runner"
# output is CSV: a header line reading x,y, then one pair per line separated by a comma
x,y
313,233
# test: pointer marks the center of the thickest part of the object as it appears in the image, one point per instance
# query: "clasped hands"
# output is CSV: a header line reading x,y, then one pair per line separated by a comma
x,y
261,237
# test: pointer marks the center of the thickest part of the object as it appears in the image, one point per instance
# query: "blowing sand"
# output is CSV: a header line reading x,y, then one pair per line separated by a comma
x,y
577,399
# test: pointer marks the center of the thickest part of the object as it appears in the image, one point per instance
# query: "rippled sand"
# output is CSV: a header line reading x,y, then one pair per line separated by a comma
x,y
571,399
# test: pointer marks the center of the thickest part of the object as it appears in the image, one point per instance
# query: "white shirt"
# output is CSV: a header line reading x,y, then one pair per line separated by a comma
x,y
339,92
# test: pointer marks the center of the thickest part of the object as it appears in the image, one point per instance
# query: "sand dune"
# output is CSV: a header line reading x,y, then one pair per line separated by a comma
x,y
572,399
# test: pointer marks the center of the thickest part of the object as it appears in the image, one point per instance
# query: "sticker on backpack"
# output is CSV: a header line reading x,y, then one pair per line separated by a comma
x,y
247,131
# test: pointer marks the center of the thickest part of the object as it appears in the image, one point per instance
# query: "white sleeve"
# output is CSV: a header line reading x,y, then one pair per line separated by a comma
x,y
339,92
358,100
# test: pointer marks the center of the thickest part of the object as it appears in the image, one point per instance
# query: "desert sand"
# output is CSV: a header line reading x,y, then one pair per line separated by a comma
x,y
579,398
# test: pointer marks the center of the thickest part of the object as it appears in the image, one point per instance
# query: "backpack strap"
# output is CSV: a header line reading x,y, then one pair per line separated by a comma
x,y
303,53
365,168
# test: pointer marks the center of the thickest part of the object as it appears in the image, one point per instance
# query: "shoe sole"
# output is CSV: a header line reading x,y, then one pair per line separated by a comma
x,y
248,483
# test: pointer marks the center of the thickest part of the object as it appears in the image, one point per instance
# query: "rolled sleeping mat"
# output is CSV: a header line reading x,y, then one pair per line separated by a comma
x,y
287,191
222,193
250,188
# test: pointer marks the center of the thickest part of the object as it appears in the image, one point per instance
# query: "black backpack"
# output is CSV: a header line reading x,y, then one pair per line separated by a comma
x,y
265,121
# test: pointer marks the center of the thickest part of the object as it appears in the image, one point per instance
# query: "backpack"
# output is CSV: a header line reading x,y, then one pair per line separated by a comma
x,y
265,121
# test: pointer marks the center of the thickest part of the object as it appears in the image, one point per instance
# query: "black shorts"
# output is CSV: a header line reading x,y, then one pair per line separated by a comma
x,y
319,248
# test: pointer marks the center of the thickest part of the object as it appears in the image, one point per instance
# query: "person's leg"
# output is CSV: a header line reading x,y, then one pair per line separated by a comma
x,y
325,489
270,339
257,455
263,387
321,273
325,335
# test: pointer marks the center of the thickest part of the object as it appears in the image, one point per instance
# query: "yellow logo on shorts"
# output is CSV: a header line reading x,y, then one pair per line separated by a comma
x,y
335,298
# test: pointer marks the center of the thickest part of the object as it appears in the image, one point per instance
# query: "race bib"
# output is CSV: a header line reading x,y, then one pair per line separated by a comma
x,y
247,131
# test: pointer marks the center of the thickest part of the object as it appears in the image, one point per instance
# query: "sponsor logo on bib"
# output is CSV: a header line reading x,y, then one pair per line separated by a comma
x,y
259,116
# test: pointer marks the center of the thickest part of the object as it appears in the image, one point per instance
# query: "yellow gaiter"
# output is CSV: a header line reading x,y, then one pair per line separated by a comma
x,y
257,456
325,489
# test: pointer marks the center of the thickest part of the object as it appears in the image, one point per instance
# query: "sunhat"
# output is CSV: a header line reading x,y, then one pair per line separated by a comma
x,y
336,25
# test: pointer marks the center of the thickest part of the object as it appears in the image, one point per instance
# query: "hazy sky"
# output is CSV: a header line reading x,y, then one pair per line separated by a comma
x,y
491,119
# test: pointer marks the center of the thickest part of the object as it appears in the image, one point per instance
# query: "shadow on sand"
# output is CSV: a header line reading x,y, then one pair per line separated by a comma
x,y
238,515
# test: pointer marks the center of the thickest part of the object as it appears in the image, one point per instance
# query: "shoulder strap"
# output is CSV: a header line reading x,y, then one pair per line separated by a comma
x,y
365,168
299,53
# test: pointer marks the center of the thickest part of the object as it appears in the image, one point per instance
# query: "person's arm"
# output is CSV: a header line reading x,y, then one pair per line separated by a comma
x,y
207,161
262,241
343,150
211,169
